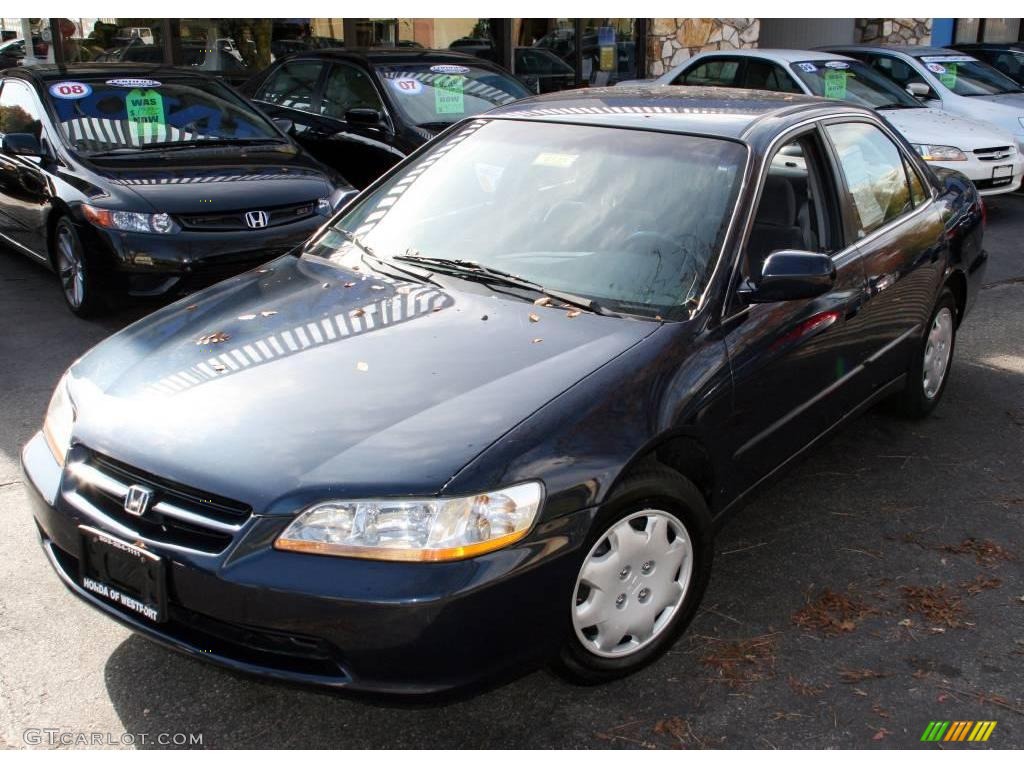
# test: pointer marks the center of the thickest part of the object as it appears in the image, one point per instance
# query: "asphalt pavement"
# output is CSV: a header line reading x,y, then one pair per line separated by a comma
x,y
876,588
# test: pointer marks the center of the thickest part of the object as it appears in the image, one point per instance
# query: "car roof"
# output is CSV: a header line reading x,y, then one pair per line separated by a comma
x,y
45,73
387,55
909,50
787,55
724,112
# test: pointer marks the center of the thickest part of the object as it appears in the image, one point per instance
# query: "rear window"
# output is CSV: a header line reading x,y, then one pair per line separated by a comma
x,y
100,115
431,94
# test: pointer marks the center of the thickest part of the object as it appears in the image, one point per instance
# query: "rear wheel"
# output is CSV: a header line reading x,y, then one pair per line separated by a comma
x,y
76,275
929,371
647,564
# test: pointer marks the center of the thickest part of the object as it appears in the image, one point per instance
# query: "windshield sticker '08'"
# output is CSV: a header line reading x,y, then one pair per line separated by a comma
x,y
449,97
145,112
835,84
70,90
948,78
806,66
408,85
134,82
938,69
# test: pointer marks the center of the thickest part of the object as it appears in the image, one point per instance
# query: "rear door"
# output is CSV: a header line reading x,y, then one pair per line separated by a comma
x,y
24,184
897,225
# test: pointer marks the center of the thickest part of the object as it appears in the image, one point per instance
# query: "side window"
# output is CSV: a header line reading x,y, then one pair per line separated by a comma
x,y
767,76
918,194
793,211
874,174
18,110
293,85
895,69
348,88
718,72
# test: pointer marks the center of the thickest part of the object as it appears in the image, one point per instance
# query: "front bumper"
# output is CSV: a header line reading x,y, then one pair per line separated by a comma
x,y
156,265
980,172
406,628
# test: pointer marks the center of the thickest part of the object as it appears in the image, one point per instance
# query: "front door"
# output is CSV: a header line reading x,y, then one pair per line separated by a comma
x,y
797,366
24,186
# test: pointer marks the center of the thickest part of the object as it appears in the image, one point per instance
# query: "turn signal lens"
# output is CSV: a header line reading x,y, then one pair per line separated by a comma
x,y
426,530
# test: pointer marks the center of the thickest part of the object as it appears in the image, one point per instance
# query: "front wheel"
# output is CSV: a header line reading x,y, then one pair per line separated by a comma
x,y
929,371
76,275
647,564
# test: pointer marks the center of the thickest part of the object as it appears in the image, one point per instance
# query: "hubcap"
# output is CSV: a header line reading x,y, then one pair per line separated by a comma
x,y
937,352
632,583
71,268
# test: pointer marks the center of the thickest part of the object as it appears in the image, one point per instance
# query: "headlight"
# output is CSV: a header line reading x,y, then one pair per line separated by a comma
x,y
939,152
60,417
131,221
427,530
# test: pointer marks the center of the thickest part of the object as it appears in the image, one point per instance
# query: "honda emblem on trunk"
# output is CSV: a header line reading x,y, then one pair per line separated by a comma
x,y
257,219
136,501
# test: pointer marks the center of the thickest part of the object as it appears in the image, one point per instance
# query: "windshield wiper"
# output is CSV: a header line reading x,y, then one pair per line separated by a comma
x,y
421,275
472,270
898,105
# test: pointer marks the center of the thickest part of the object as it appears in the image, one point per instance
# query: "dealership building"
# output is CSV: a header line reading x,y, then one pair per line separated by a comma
x,y
543,50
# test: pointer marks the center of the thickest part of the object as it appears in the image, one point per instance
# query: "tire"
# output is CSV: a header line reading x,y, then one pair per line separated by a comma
x,y
76,275
652,500
929,370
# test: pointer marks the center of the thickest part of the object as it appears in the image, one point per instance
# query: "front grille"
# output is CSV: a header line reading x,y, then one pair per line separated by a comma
x,y
176,514
230,221
991,154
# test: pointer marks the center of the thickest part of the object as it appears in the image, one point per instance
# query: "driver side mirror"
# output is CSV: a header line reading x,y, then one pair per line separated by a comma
x,y
363,116
789,275
24,144
919,90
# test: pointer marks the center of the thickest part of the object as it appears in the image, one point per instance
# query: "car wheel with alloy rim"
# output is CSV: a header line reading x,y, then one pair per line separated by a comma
x,y
73,269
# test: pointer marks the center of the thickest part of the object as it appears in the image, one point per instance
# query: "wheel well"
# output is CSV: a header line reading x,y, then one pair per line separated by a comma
x,y
957,283
59,210
688,457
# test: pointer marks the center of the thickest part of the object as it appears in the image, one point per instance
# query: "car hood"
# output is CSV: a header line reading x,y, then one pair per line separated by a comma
x,y
303,379
934,126
220,181
1004,110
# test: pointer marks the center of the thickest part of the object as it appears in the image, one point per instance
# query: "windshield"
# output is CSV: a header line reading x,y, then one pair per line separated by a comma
x,y
429,94
130,113
854,82
965,76
631,219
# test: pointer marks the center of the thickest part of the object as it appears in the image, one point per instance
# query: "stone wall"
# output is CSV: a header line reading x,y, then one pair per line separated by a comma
x,y
670,42
895,31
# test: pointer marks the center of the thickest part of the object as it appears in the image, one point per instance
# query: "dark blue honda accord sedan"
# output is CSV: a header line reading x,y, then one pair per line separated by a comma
x,y
493,412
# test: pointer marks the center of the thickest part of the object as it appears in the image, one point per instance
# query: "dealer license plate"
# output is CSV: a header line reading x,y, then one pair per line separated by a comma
x,y
123,574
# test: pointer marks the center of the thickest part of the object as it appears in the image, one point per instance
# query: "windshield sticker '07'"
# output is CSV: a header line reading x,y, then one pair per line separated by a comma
x,y
835,84
408,85
145,112
449,97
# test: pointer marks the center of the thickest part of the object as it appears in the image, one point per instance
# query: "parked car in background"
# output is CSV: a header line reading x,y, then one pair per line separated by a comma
x,y
148,181
493,413
951,81
12,52
542,70
985,154
1008,58
362,111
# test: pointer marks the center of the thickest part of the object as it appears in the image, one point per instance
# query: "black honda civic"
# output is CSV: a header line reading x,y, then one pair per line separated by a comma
x,y
493,413
148,181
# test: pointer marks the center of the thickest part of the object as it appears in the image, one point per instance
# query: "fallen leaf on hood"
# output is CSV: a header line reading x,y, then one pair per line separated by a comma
x,y
218,367
191,307
537,341
213,338
543,301
268,312
572,313
376,287
484,317
361,366
248,316
534,317
438,309
358,312
326,285
350,285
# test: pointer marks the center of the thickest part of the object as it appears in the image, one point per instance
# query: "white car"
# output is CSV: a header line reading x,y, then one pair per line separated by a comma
x,y
983,152
950,80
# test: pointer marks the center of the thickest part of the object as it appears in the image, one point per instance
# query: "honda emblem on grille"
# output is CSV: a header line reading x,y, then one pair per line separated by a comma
x,y
136,501
257,219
